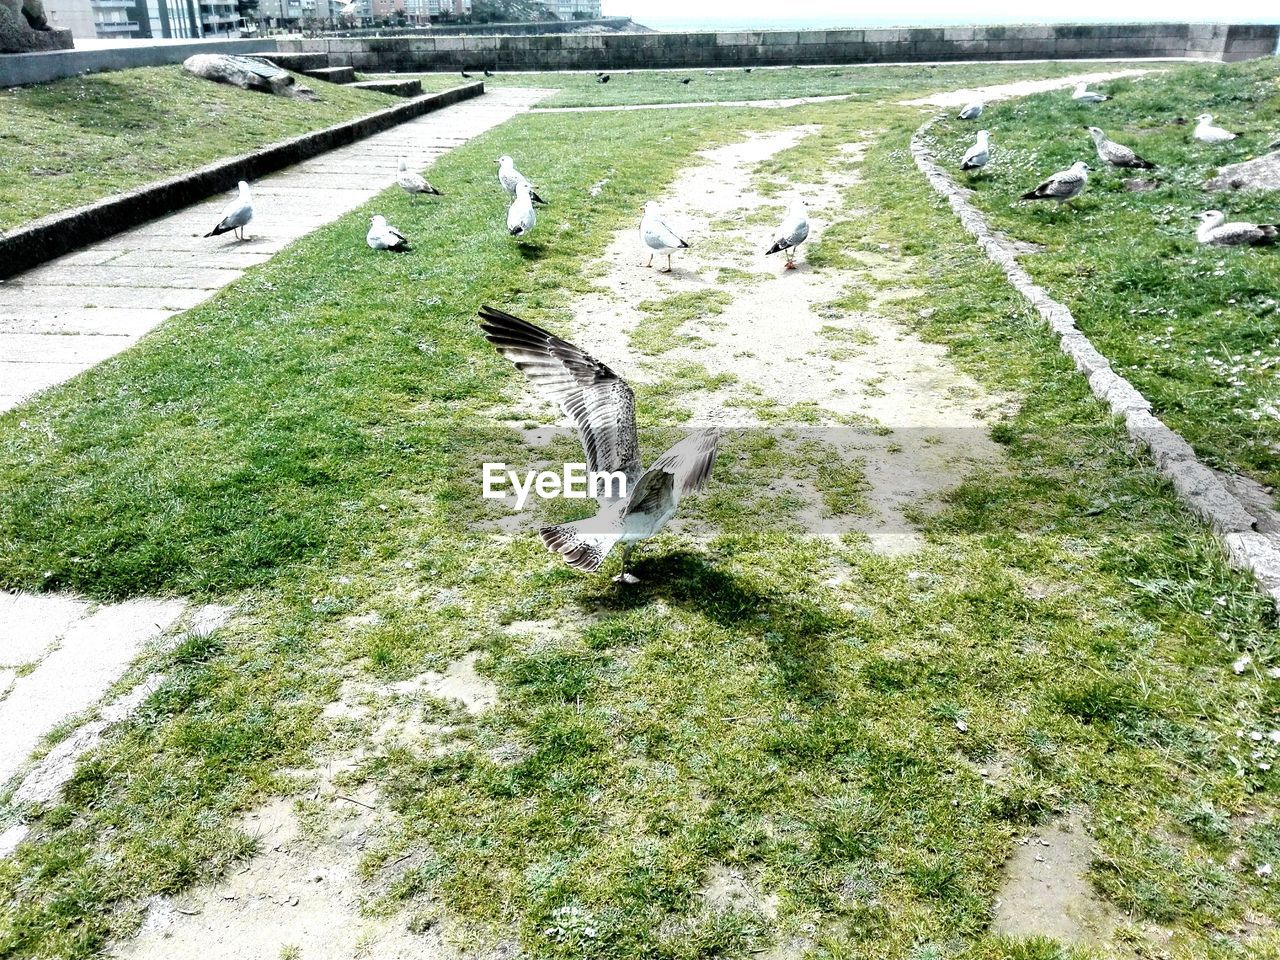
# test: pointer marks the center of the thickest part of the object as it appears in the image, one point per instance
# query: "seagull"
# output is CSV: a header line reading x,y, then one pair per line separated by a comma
x,y
976,157
1213,231
1082,94
657,236
793,232
603,409
236,214
520,215
1063,186
1206,131
603,78
972,112
411,182
1117,154
384,237
510,177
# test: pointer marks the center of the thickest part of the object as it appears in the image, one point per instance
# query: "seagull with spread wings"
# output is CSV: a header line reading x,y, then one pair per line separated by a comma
x,y
603,409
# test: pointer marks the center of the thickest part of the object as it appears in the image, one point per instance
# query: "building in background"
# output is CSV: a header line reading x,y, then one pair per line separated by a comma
x,y
219,18
127,19
74,15
574,9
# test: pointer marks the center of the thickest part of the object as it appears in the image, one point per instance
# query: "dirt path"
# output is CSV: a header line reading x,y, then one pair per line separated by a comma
x,y
889,405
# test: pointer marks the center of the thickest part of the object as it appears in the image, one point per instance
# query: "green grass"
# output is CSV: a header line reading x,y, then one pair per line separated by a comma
x,y
1194,328
631,87
742,706
77,140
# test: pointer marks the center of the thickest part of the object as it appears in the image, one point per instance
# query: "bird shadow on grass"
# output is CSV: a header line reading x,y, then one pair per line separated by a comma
x,y
798,634
531,251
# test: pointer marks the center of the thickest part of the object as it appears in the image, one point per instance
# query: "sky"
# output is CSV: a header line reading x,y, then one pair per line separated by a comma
x,y
926,11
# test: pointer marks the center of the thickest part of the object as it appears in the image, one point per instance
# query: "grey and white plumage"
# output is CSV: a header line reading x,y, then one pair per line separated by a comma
x,y
510,178
520,215
383,236
236,214
411,182
793,231
602,408
1082,94
1214,231
977,156
1117,154
1207,131
657,237
971,111
1063,186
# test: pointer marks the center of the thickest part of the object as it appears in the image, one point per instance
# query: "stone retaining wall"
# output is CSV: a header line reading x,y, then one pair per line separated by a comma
x,y
22,69
613,51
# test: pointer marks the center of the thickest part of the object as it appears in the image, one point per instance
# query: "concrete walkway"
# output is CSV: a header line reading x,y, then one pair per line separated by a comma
x,y
78,310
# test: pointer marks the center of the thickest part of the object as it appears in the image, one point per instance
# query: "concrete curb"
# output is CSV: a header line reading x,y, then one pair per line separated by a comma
x,y
52,236
1199,487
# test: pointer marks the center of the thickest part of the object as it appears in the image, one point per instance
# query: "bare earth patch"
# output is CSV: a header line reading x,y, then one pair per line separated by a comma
x,y
304,890
1047,892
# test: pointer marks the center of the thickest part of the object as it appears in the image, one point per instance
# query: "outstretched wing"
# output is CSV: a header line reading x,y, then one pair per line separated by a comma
x,y
690,461
653,499
599,402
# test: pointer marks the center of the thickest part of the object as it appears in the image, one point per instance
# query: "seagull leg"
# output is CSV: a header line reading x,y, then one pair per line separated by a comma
x,y
668,270
625,577
650,263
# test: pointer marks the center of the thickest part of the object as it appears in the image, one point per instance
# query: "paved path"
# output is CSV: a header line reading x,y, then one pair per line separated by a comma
x,y
78,310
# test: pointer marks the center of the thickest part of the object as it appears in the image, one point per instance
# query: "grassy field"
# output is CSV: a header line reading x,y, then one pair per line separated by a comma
x,y
1194,328
77,140
305,445
664,86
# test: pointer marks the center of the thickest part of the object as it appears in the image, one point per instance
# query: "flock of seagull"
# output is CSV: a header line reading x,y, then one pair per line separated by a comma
x,y
599,402
656,236
1065,185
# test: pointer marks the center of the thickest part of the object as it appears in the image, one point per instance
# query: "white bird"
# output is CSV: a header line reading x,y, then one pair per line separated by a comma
x,y
411,182
520,215
236,214
793,232
656,236
510,178
382,236
1063,186
1207,132
1214,231
976,157
603,409
1082,94
1117,154
973,111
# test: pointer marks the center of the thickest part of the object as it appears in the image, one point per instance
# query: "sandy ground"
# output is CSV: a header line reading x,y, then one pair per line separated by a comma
x,y
888,403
